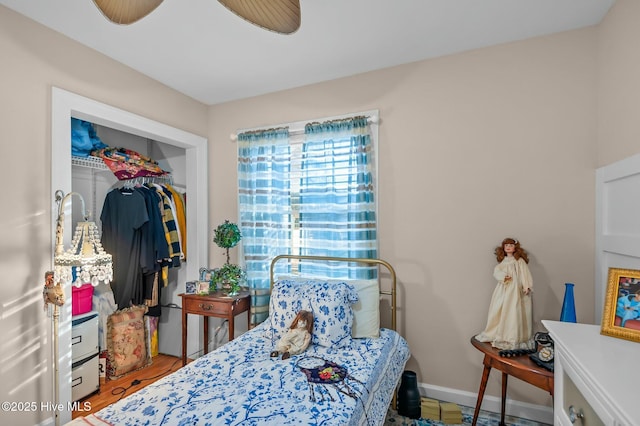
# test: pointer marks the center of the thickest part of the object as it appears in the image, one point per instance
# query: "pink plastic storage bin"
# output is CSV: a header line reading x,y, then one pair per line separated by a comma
x,y
82,299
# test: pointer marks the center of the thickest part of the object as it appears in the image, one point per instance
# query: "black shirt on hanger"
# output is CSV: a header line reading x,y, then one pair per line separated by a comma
x,y
123,214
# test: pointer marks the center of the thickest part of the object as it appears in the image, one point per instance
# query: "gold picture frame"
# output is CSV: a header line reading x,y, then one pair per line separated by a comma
x,y
621,314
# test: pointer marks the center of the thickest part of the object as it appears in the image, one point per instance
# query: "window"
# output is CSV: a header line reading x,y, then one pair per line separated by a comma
x,y
309,192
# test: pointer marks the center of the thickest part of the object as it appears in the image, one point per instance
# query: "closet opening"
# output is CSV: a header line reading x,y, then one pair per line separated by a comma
x,y
182,153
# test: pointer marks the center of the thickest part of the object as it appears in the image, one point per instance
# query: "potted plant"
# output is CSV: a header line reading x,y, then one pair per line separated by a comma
x,y
229,277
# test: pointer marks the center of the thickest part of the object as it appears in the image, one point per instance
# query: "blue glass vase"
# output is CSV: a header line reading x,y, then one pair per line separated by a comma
x,y
568,313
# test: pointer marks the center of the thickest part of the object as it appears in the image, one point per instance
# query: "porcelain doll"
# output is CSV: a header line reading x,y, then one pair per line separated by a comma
x,y
297,338
509,323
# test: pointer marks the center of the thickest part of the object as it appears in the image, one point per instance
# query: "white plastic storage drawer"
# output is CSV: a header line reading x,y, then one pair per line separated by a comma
x,y
84,335
85,377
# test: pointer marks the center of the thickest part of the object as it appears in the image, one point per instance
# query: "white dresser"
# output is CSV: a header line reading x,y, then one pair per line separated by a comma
x,y
599,376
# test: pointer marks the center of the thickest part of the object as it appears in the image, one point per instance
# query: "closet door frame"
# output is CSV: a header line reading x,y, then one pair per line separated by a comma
x,y
64,106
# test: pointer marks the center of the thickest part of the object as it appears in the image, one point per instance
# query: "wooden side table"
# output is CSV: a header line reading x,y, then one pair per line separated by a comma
x,y
520,367
213,305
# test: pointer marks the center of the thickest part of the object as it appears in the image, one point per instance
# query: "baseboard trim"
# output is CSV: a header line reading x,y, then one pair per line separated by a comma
x,y
538,413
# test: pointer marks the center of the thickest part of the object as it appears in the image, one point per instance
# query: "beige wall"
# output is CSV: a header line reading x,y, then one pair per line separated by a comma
x,y
33,60
619,83
473,148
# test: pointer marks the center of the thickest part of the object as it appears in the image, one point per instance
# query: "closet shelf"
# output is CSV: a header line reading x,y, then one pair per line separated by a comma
x,y
89,162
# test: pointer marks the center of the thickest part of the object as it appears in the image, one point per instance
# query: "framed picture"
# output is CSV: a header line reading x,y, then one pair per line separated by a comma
x,y
205,274
203,287
621,313
191,287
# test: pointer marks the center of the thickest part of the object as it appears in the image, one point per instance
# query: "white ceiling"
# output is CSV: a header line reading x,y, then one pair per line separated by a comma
x,y
201,49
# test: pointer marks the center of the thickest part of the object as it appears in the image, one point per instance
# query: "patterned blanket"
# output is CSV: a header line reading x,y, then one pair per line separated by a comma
x,y
240,384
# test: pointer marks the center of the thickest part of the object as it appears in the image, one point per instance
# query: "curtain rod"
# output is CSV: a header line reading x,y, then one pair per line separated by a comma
x,y
370,119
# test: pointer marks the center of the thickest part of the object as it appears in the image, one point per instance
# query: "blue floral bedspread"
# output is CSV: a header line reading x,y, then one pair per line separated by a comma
x,y
240,384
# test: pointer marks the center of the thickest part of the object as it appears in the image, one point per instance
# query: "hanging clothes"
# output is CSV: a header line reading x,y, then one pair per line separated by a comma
x,y
123,214
140,230
155,249
174,212
170,227
181,218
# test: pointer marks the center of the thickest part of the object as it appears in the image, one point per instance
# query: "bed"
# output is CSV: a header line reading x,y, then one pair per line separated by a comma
x,y
338,380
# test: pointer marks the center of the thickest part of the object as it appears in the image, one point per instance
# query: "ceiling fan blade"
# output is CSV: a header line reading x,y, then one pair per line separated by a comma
x,y
281,16
126,12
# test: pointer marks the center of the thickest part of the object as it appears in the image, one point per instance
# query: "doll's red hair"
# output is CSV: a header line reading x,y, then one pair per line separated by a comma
x,y
518,253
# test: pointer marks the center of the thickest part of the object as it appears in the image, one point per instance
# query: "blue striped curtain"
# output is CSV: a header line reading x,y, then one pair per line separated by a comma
x,y
265,208
337,203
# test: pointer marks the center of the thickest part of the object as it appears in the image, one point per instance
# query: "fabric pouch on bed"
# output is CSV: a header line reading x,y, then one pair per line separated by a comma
x,y
126,341
329,302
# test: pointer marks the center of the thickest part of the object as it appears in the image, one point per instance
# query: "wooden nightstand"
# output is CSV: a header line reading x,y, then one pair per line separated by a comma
x,y
520,367
213,305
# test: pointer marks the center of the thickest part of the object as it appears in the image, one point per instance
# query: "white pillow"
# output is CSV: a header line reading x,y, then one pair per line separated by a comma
x,y
366,311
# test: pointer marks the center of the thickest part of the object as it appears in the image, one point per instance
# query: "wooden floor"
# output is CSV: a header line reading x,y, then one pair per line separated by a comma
x,y
112,390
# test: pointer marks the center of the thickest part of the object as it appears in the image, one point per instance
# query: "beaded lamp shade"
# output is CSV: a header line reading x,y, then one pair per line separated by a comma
x,y
93,265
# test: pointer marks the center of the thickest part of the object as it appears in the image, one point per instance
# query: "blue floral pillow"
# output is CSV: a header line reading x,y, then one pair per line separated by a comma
x,y
332,313
329,302
287,299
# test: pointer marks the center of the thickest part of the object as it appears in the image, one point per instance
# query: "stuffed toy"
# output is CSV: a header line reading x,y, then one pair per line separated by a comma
x,y
52,293
297,338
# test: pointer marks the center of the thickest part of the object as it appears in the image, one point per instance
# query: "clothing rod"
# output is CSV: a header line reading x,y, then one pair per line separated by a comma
x,y
370,119
141,180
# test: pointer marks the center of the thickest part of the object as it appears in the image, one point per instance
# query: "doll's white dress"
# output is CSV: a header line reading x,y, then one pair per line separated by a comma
x,y
294,341
509,323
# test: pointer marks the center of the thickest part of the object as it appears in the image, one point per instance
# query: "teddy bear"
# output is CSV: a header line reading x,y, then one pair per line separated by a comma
x,y
297,337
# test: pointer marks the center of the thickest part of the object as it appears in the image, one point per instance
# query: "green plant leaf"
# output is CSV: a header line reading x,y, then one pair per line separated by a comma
x,y
227,235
